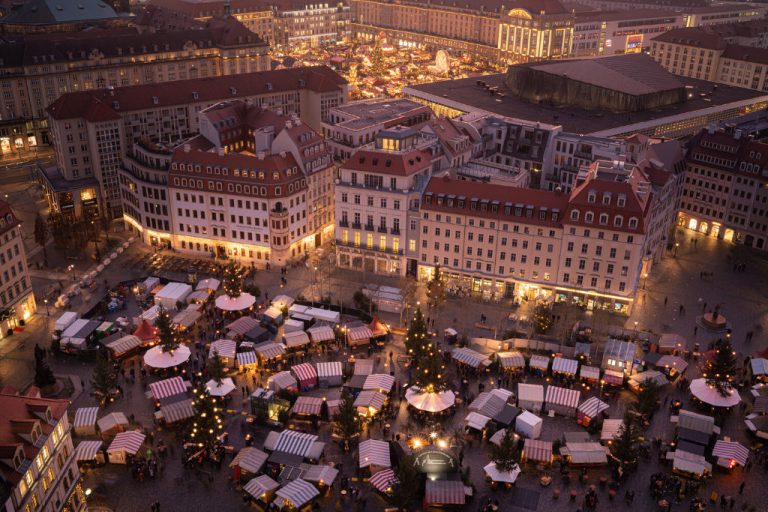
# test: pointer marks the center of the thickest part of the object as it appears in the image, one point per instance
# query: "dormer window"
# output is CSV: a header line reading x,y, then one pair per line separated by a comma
x,y
589,217
591,197
606,199
618,221
633,223
603,218
575,215
621,201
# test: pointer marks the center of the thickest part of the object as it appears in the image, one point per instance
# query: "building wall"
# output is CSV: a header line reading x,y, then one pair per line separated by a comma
x,y
16,294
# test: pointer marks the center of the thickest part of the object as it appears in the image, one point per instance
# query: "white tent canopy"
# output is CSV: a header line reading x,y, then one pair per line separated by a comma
x,y
215,389
243,301
709,394
156,358
208,284
501,476
430,402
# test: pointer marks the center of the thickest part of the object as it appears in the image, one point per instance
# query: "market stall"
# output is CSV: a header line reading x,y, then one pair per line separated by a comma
x,y
670,343
360,335
363,367
283,380
123,445
730,453
156,358
292,442
373,454
270,351
590,409
322,475
490,403
562,401
511,361
585,454
241,326
124,346
262,488
673,366
171,294
221,388
307,406
85,421
493,473
637,379
167,388
476,421
537,451
470,358
145,331
248,461
187,318
429,402
711,396
529,425
383,480
381,382
613,378
227,303
295,339
530,396
610,429
112,423
442,493
539,364
295,494
330,373
292,325
689,463
209,285
321,334
589,374
247,360
306,375
89,452
226,350
564,366
176,411
370,403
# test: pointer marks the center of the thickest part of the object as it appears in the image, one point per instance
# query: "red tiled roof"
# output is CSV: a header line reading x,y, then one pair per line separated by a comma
x,y
8,219
699,37
318,79
384,162
540,200
746,54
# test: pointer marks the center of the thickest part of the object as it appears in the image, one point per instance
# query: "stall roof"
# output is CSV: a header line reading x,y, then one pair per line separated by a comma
x,y
178,411
320,333
86,417
563,396
329,369
592,406
564,365
610,429
225,348
668,361
507,415
470,357
383,480
530,392
87,450
490,403
731,450
589,372
513,359
296,339
129,442
371,399
270,350
307,405
689,462
283,380
672,341
374,452
322,474
242,325
247,359
293,442
694,436
534,449
250,459
168,387
210,283
586,453
476,420
359,333
297,493
445,492
539,362
695,421
124,344
261,485
111,421
379,381
363,366
655,376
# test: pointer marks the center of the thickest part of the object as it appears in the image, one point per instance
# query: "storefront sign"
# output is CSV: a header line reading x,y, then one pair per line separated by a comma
x,y
435,461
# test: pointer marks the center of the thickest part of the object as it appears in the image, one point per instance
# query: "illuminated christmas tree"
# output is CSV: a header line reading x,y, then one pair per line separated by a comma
x,y
720,370
429,374
418,335
233,283
207,423
166,332
377,60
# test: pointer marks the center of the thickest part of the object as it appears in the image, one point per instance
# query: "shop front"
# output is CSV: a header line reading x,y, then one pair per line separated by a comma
x,y
594,301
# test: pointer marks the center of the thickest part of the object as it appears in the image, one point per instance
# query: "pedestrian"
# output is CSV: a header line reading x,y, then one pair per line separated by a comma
x,y
741,487
731,503
695,329
665,300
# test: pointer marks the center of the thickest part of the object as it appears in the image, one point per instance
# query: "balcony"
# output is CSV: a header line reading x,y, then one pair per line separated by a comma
x,y
341,243
382,229
395,231
343,223
356,225
369,227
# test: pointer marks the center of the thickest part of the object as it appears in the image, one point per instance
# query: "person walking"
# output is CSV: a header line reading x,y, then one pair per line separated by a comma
x,y
741,487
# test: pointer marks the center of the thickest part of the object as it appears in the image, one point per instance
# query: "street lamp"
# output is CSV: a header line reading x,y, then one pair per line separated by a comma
x,y
674,254
45,301
636,328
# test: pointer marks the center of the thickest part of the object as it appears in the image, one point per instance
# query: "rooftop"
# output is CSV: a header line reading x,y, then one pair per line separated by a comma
x,y
60,184
701,37
465,95
365,114
52,12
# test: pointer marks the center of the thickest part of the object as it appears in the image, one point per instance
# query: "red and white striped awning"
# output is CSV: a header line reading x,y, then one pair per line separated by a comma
x,y
249,459
358,334
539,362
613,377
306,374
282,380
563,396
86,417
178,411
589,373
269,351
383,480
322,473
297,493
225,348
564,365
329,369
333,407
511,360
307,405
379,381
731,450
540,451
592,406
295,443
373,452
371,399
247,359
470,357
87,450
320,333
129,442
168,387
445,492
261,485
295,339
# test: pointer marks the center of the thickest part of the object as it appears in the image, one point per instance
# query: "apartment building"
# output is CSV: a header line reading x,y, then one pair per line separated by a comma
x,y
39,465
590,247
353,125
725,194
573,152
93,130
17,299
377,198
254,186
613,33
40,16
704,53
38,69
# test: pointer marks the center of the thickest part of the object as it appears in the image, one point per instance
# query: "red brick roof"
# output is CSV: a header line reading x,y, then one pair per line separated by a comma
x,y
443,188
74,105
384,162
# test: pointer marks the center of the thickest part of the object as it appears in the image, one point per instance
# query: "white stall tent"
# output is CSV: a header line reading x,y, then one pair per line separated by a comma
x,y
538,362
282,380
296,494
562,400
374,453
320,333
695,421
124,345
530,396
172,293
529,425
113,422
85,421
323,315
150,283
476,421
65,320
291,325
295,339
565,366
124,444
587,453
330,373
610,429
283,301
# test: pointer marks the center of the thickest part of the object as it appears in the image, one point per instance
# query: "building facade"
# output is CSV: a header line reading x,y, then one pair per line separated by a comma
x,y
725,193
17,299
706,54
253,186
37,69
40,466
377,198
615,33
532,31
93,130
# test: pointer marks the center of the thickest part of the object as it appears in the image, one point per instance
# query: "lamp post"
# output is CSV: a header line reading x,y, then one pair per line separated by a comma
x,y
45,301
674,253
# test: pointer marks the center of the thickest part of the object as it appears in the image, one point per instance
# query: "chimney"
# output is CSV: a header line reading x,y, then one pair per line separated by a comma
x,y
261,155
282,154
737,134
187,148
220,151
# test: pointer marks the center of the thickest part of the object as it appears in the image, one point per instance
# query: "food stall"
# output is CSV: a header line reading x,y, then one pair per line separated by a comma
x,y
590,409
330,374
530,396
562,401
529,425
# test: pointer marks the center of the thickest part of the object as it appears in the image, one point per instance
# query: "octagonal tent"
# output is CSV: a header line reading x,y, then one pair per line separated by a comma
x,y
156,358
429,402
227,303
710,396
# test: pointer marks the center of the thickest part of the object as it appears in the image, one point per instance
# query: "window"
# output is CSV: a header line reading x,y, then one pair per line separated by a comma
x,y
633,223
575,215
589,217
603,218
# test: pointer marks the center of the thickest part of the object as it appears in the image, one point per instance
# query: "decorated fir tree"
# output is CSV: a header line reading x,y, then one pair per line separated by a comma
x,y
647,398
377,60
166,332
417,336
506,454
346,421
624,446
542,318
436,289
104,378
207,423
233,283
429,374
720,369
216,367
405,489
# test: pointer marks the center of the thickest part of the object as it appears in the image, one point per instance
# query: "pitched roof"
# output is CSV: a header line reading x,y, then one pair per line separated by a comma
x,y
385,162
746,54
8,219
699,37
201,90
52,12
